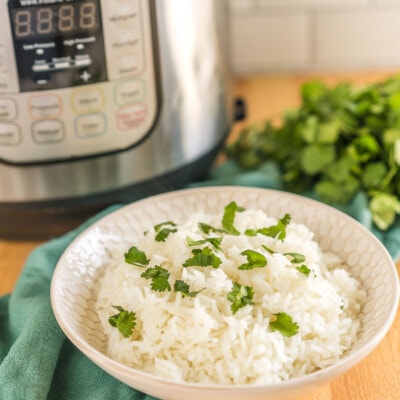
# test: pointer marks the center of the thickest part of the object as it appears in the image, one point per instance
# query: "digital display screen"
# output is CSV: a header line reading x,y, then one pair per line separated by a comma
x,y
55,19
57,43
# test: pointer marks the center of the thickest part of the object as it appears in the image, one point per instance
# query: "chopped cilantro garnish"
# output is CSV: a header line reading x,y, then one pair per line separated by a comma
x,y
270,251
228,218
254,260
203,258
159,277
124,321
137,257
278,230
162,230
295,258
240,296
183,287
214,241
284,324
304,269
205,228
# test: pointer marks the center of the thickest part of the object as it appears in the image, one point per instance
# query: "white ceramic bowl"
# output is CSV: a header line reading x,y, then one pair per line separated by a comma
x,y
85,260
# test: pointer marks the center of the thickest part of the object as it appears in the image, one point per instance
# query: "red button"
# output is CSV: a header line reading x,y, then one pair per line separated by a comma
x,y
132,116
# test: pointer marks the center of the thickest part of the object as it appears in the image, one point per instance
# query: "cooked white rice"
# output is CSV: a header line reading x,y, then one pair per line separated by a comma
x,y
201,340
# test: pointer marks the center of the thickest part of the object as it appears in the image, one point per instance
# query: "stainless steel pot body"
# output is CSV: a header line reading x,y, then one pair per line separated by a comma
x,y
191,119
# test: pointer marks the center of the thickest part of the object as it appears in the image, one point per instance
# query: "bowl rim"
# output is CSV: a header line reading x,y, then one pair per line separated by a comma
x,y
316,377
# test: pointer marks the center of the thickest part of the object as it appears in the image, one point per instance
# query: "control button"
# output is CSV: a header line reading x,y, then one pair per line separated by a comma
x,y
130,44
130,64
44,106
3,83
125,18
9,134
40,67
86,76
83,62
87,100
90,125
8,110
62,65
131,117
123,12
49,131
129,91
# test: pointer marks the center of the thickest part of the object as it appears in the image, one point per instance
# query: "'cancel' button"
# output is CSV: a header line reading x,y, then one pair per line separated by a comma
x,y
48,131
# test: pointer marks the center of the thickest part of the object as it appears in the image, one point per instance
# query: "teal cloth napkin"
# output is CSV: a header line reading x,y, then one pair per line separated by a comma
x,y
38,362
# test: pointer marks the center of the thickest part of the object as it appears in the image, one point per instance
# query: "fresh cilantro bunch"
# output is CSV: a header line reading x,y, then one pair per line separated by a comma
x,y
341,140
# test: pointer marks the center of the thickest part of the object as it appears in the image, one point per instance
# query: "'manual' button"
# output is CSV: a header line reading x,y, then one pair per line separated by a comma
x,y
49,131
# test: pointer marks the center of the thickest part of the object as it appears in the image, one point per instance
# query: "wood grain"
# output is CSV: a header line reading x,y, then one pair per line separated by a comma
x,y
378,376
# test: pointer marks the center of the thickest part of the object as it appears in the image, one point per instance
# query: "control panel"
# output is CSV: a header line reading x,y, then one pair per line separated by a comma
x,y
77,78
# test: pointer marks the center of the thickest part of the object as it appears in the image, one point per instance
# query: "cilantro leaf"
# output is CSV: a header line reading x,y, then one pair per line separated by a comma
x,y
254,260
203,258
124,321
159,277
270,251
163,232
304,269
214,241
384,208
137,257
315,158
240,296
278,230
374,174
295,258
228,218
206,228
183,287
284,324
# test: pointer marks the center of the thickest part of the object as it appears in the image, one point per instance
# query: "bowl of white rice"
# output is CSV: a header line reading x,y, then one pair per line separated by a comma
x,y
225,293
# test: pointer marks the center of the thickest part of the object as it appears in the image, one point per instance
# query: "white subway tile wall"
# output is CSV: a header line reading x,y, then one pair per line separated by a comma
x,y
254,48
313,35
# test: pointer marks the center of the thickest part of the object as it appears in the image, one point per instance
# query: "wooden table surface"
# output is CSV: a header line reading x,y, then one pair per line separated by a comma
x,y
378,376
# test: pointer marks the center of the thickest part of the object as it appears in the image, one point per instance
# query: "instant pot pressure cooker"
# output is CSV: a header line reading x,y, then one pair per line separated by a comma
x,y
105,101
